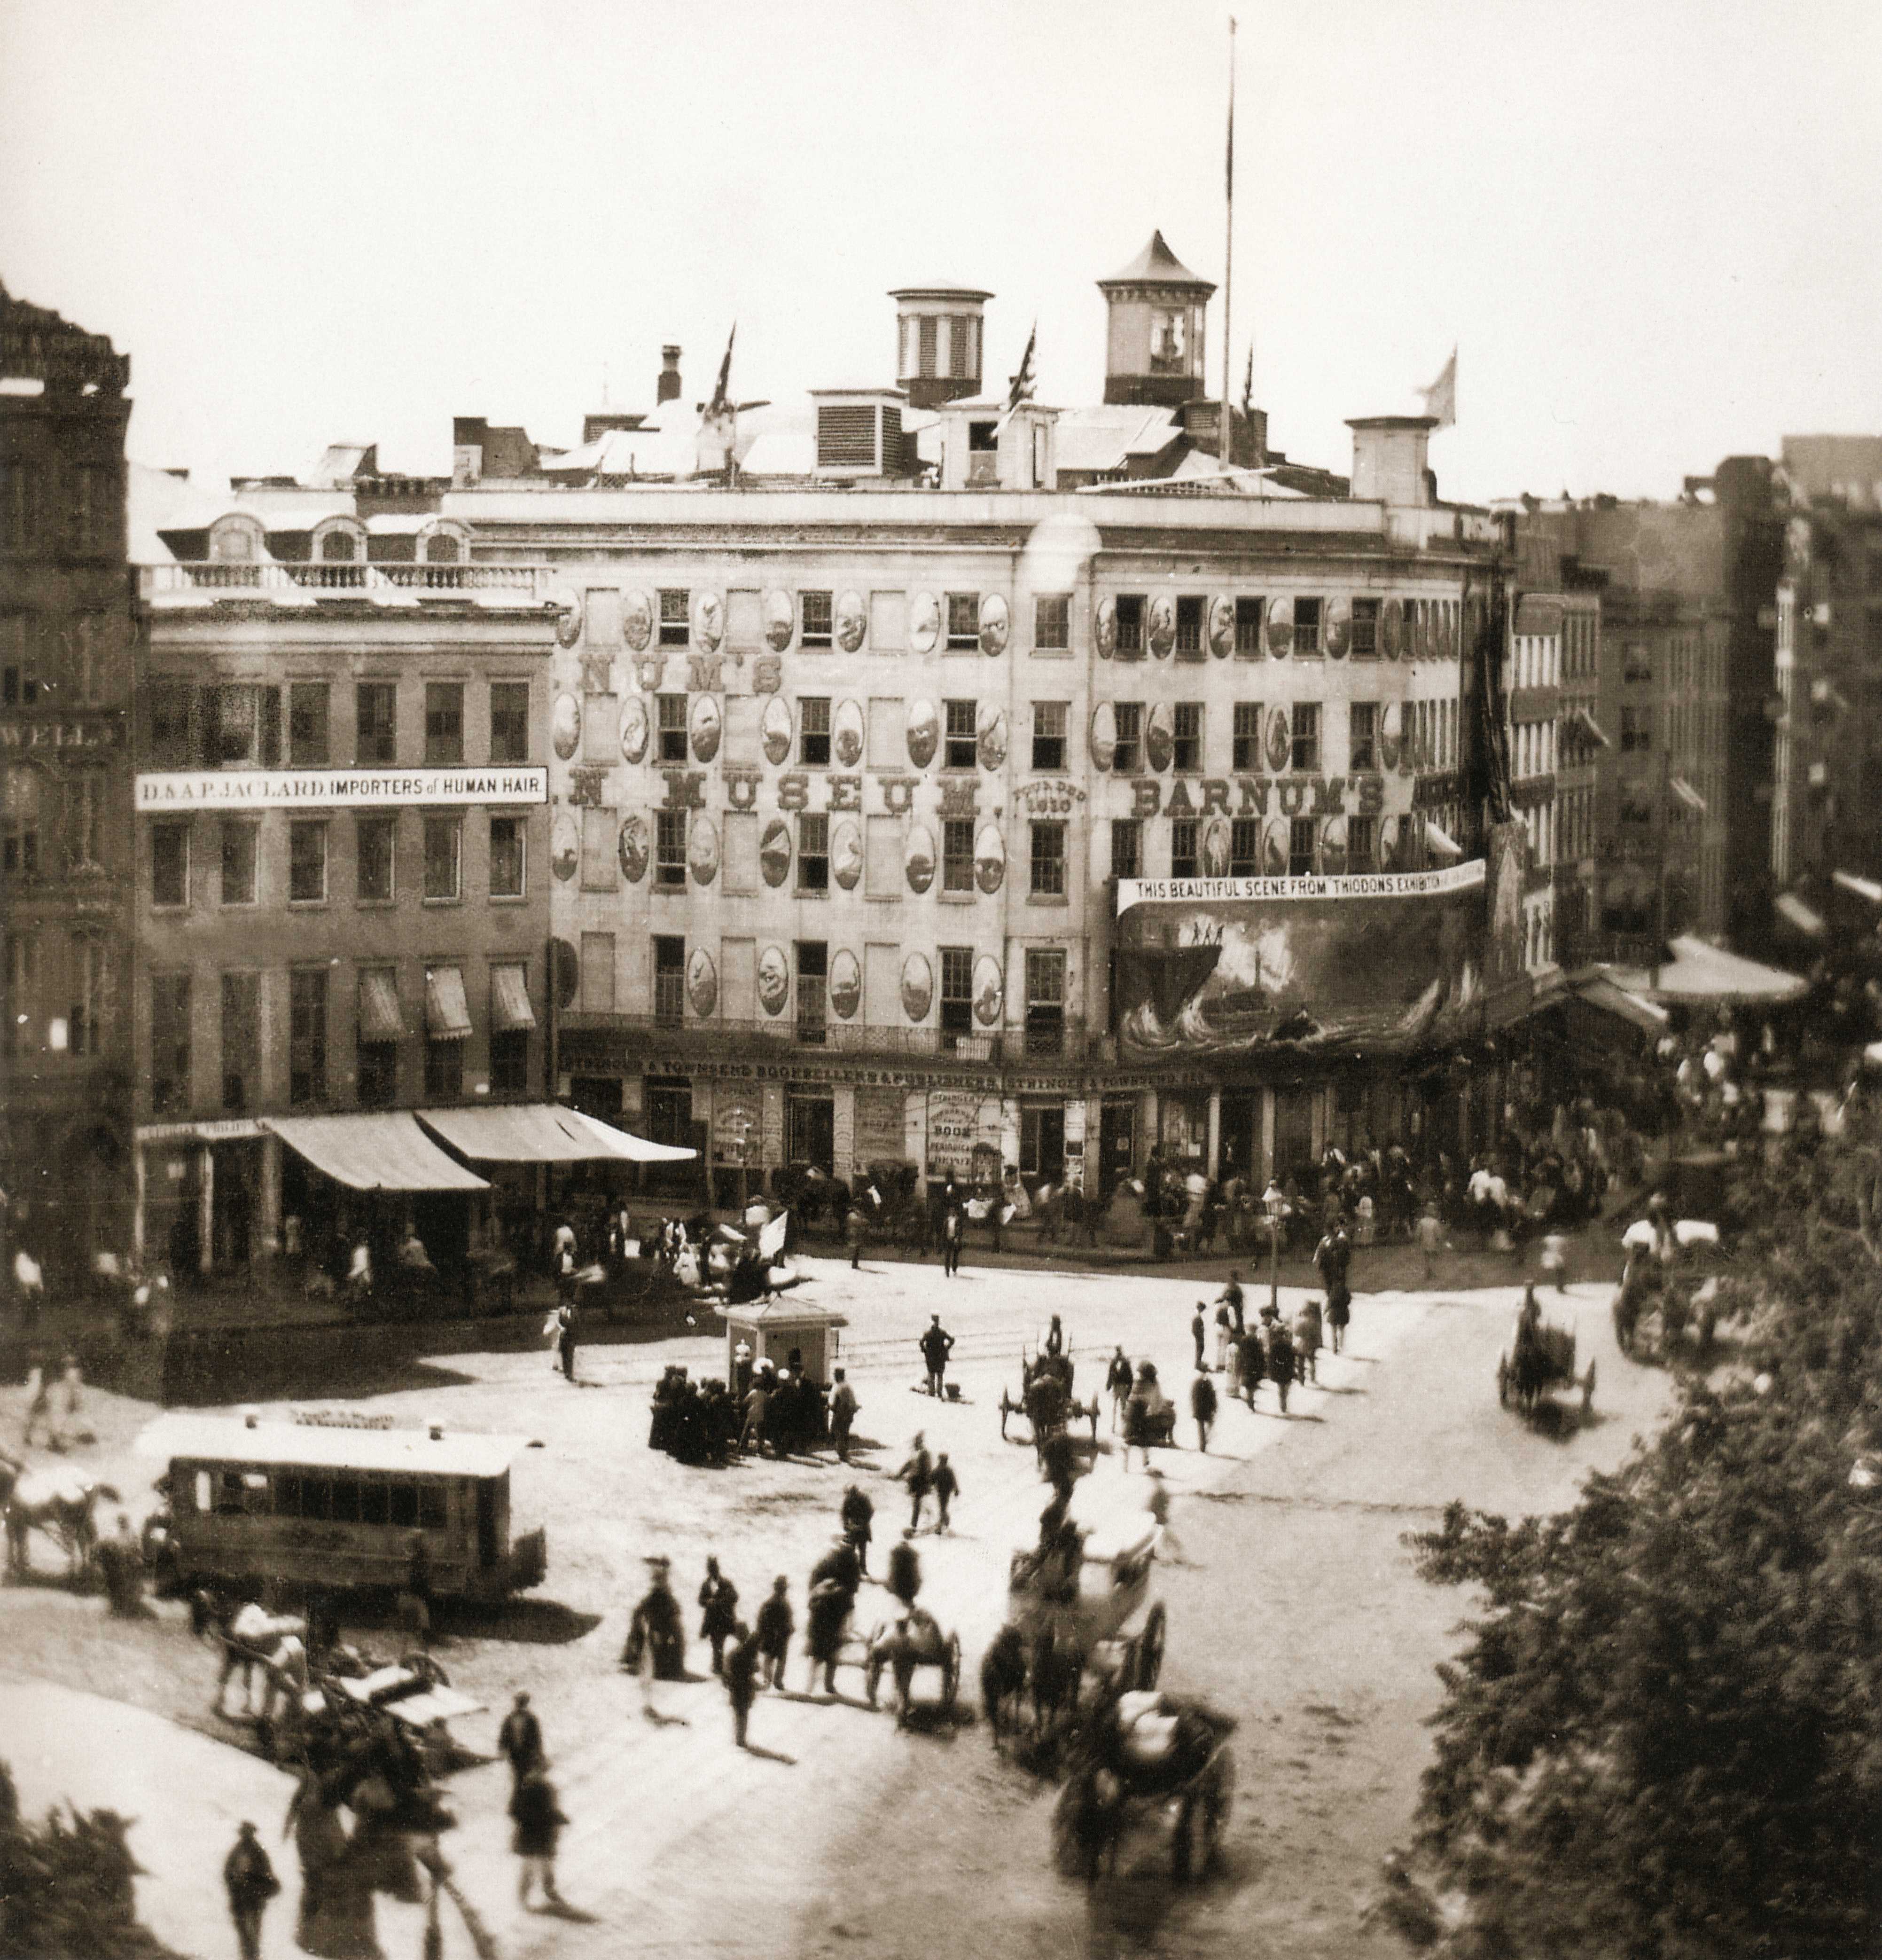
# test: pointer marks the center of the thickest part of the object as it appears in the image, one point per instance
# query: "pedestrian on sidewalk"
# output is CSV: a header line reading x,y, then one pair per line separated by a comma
x,y
775,1624
1555,1259
858,1517
1157,1505
1118,1377
918,1474
1308,1334
1231,1297
835,1579
538,1821
953,1231
718,1614
520,1739
947,1488
855,1226
1280,1353
1198,1333
249,1879
1339,1316
1202,1406
1224,1332
1430,1233
843,1408
741,1678
567,1333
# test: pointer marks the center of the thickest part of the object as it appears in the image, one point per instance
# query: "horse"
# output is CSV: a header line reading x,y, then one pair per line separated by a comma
x,y
59,1503
1003,1679
1056,1669
1092,1814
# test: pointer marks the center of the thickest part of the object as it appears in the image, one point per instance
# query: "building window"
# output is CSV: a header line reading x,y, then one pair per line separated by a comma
x,y
508,857
1305,753
669,848
376,709
377,1074
1189,629
510,721
1127,756
1637,663
171,705
669,978
1244,847
957,854
373,851
19,825
20,1005
813,957
816,614
959,748
307,863
1636,729
1045,1001
170,1043
1307,626
1186,744
1365,629
1300,847
308,742
443,857
443,724
672,727
19,662
675,617
376,1052
239,837
1248,629
339,547
241,1040
1182,847
1362,735
443,1070
813,851
441,548
1052,622
1130,626
957,993
1127,846
1049,720
928,339
963,621
597,973
1363,843
307,1035
813,732
600,859
241,726
1048,861
509,1061
1247,744
169,862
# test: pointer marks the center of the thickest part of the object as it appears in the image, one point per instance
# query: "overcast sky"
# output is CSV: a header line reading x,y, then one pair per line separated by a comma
x,y
1649,228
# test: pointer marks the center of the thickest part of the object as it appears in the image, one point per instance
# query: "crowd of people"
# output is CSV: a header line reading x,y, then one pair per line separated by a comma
x,y
764,1410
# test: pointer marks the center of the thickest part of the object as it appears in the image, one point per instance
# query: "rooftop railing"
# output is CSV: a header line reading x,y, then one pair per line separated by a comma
x,y
530,584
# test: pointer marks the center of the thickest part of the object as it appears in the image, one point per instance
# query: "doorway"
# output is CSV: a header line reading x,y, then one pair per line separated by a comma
x,y
1117,1145
810,1131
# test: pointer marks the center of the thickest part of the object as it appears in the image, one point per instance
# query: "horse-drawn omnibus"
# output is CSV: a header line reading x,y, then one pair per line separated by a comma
x,y
326,1503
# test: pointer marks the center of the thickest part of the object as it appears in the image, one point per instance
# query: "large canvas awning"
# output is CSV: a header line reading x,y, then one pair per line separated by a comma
x,y
1601,993
380,1151
543,1133
1702,975
447,1016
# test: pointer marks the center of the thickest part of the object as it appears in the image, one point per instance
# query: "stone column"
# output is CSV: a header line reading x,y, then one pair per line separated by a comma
x,y
270,1198
139,1171
205,1207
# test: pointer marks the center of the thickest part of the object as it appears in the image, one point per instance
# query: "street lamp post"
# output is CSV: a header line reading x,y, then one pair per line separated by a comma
x,y
1276,1204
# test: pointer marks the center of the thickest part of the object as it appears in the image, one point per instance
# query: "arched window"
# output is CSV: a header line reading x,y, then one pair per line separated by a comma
x,y
338,547
235,541
444,548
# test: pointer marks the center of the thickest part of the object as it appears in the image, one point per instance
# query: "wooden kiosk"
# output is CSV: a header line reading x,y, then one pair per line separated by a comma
x,y
772,1329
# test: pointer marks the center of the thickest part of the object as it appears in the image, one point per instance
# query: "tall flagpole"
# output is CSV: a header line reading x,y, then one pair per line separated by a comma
x,y
1226,440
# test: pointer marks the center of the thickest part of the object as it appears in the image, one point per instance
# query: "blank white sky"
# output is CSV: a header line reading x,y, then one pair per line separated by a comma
x,y
1650,227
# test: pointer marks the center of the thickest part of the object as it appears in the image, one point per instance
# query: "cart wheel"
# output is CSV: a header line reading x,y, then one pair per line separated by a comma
x,y
951,1673
1149,1647
1502,1380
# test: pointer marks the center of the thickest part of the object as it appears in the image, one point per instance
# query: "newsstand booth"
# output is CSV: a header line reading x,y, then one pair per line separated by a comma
x,y
772,1329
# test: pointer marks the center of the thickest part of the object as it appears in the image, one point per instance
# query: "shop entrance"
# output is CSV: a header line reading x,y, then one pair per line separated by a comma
x,y
1042,1141
1240,1119
1117,1145
1293,1132
810,1131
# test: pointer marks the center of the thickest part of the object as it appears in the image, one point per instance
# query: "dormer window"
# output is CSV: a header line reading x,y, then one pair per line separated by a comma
x,y
235,541
444,548
339,547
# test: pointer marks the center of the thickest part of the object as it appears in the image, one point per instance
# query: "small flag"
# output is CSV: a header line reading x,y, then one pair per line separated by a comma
x,y
1441,398
1022,383
721,394
1247,385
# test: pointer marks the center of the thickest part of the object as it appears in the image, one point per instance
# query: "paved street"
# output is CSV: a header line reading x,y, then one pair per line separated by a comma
x,y
1291,1602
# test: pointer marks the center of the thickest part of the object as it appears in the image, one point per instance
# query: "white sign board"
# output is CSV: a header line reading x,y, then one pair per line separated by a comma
x,y
337,789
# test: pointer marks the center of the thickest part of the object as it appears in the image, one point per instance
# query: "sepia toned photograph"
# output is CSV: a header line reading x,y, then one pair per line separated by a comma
x,y
941,1005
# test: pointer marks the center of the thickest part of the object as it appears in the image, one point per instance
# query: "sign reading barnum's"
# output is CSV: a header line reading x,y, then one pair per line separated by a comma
x,y
1362,885
332,789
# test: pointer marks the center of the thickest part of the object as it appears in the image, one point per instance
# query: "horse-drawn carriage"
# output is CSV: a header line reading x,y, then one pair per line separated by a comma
x,y
897,1647
1661,1302
1046,1400
1087,1593
1148,1756
1539,1358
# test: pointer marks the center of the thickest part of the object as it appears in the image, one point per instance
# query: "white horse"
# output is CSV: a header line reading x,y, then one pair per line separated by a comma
x,y
60,1502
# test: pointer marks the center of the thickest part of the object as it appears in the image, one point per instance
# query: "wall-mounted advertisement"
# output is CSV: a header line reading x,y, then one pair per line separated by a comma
x,y
337,789
1383,963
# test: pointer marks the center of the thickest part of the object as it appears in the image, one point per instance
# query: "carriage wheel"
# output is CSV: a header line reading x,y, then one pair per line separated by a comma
x,y
1150,1644
951,1673
1502,1380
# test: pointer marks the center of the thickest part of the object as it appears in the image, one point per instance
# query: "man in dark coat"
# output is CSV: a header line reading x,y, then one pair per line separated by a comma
x,y
936,1345
835,1580
741,1678
1202,1406
918,1474
656,1632
719,1612
1199,1333
775,1624
858,1518
251,1881
520,1739
538,1821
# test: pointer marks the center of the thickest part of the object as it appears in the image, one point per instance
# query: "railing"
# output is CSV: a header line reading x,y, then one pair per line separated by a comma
x,y
532,584
1011,1047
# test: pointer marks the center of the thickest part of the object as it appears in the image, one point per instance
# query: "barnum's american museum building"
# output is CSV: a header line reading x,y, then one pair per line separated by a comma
x,y
921,773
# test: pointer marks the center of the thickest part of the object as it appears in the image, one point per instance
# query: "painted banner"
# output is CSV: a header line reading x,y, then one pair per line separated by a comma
x,y
1218,966
329,789
880,1125
963,1134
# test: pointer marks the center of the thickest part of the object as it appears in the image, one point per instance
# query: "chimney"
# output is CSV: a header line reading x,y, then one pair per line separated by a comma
x,y
1388,458
667,388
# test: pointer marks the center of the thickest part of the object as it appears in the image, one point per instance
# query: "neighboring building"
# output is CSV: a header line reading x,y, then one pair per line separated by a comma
x,y
343,853
65,789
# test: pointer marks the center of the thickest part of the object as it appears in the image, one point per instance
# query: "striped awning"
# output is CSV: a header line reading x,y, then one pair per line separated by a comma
x,y
542,1133
509,1010
382,1150
380,1020
447,1016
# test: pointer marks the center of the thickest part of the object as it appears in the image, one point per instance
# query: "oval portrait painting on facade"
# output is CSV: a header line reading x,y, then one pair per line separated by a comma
x,y
1106,629
1336,627
852,621
565,846
989,858
565,725
989,991
917,987
568,615
709,622
1103,736
996,623
924,622
846,984
780,620
1159,737
635,728
702,848
1279,746
846,733
1280,627
773,980
702,983
846,854
1221,626
774,852
1392,628
918,858
632,848
924,733
1162,627
637,620
990,736
706,727
774,730
1216,841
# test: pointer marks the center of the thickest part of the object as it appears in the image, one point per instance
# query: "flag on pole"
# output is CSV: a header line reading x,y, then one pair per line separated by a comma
x,y
1021,389
1441,398
1247,385
721,400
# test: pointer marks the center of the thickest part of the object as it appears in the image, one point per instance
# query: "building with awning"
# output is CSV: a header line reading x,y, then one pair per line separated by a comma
x,y
543,1133
1699,975
384,1150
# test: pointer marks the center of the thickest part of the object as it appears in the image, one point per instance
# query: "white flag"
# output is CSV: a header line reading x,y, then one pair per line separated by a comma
x,y
1441,398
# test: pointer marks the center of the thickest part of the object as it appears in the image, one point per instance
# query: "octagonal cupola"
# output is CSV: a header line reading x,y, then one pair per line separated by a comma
x,y
1153,347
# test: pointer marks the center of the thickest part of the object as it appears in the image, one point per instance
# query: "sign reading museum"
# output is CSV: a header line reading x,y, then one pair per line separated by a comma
x,y
329,789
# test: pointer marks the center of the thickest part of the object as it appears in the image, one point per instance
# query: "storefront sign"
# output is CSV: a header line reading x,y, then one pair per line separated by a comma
x,y
879,1125
963,1134
1247,891
338,789
216,1130
86,734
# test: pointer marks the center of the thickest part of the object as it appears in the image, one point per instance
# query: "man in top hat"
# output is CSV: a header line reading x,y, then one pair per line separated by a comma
x,y
520,1739
835,1579
248,1879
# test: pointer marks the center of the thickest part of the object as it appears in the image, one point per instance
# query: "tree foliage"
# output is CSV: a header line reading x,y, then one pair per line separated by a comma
x,y
1664,1740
